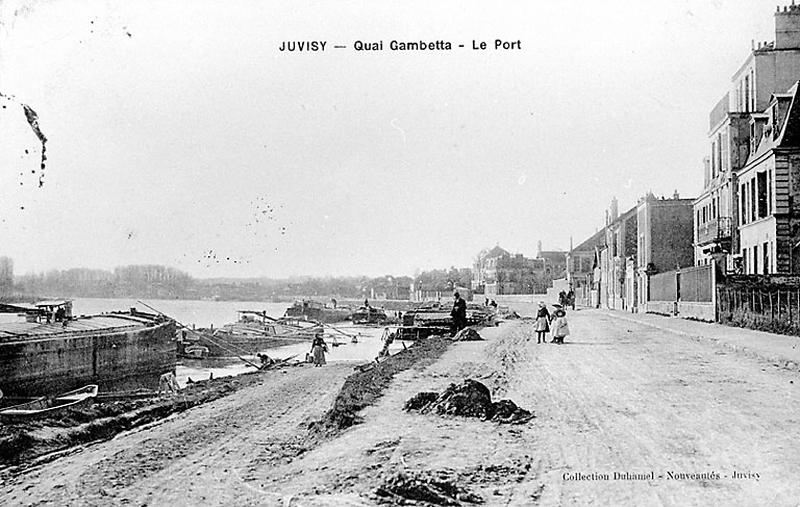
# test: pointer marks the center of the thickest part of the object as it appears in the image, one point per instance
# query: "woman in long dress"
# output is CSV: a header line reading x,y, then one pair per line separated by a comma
x,y
318,350
542,325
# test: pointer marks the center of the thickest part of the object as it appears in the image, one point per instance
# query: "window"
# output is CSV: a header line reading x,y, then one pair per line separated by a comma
x,y
765,263
746,94
744,260
753,201
769,193
755,260
742,206
724,163
762,206
713,159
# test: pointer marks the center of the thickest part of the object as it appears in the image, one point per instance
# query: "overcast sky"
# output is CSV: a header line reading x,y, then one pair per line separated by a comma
x,y
179,134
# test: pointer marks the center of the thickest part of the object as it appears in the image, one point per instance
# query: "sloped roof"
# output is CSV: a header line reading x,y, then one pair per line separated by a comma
x,y
496,252
589,244
790,132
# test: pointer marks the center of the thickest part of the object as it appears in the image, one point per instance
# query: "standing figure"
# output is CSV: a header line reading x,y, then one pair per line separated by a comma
x,y
560,326
318,349
571,298
458,313
562,298
542,324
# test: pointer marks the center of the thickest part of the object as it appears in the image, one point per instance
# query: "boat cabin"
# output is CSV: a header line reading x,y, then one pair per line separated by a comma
x,y
41,312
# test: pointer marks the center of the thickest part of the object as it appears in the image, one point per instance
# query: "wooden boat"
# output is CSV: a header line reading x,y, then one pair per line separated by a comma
x,y
369,315
46,351
45,406
252,332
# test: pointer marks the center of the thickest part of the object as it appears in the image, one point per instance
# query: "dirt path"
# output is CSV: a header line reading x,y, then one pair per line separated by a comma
x,y
622,397
207,455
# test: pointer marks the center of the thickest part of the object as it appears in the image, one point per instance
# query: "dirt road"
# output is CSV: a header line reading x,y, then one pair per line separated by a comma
x,y
206,455
620,397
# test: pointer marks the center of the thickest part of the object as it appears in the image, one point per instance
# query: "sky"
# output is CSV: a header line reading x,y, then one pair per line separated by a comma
x,y
178,133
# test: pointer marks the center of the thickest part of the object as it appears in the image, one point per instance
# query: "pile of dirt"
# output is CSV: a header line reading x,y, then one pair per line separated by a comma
x,y
437,488
469,399
362,388
467,335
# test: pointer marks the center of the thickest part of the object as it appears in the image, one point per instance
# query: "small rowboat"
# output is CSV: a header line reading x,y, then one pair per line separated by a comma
x,y
45,405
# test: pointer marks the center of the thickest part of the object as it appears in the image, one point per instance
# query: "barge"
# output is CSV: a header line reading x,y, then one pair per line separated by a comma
x,y
369,315
316,311
48,351
253,332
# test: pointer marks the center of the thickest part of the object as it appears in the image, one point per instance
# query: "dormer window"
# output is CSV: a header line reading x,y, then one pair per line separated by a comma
x,y
773,120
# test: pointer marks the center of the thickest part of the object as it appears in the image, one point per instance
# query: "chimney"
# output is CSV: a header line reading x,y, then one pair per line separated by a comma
x,y
787,28
614,210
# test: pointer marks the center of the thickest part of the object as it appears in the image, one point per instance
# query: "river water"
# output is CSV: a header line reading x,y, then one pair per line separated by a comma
x,y
219,313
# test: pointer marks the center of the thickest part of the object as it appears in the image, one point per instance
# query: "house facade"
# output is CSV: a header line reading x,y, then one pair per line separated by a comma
x,y
620,245
665,238
770,68
769,189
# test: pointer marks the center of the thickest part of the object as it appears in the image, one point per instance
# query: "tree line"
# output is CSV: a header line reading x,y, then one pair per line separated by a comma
x,y
163,282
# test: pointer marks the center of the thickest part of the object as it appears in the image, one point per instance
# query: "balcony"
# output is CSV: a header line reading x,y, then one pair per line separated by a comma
x,y
714,231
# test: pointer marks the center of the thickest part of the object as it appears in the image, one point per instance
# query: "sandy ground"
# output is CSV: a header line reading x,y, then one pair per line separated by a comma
x,y
620,397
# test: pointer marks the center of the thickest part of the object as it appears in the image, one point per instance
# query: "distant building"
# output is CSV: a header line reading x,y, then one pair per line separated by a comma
x,y
582,262
665,239
496,271
770,68
620,245
555,261
769,190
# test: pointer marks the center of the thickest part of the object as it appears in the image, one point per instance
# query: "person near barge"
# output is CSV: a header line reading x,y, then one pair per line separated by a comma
x,y
318,350
542,324
458,314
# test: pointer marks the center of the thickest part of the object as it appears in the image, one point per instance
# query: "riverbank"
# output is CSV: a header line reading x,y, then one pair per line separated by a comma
x,y
28,443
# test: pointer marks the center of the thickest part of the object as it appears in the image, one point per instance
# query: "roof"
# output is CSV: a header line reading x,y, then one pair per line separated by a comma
x,y
788,129
496,252
589,244
83,325
16,307
54,302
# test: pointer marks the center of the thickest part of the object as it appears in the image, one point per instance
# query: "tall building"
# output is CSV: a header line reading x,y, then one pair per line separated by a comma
x,y
771,67
664,228
769,190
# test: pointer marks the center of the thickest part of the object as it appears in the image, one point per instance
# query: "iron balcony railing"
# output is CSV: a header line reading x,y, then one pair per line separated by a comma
x,y
714,230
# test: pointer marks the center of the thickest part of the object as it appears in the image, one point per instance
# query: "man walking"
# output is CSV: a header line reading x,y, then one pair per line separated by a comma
x,y
459,314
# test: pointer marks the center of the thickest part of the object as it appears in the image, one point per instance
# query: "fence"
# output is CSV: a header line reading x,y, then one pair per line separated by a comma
x,y
663,287
771,309
695,284
688,292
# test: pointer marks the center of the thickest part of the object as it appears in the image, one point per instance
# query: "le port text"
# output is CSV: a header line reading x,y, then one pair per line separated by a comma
x,y
321,46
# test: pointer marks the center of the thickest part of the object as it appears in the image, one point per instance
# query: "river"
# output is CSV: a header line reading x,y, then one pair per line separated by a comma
x,y
219,313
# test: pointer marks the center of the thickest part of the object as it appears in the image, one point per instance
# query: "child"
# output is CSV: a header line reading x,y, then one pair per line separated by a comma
x,y
542,325
560,326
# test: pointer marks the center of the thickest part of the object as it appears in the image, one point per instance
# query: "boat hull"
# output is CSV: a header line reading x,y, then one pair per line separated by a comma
x,y
115,358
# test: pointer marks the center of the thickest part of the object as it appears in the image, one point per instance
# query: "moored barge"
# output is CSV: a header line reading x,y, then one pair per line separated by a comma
x,y
43,355
316,311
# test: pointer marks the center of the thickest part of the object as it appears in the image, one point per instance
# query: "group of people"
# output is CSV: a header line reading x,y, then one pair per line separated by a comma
x,y
567,298
555,323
